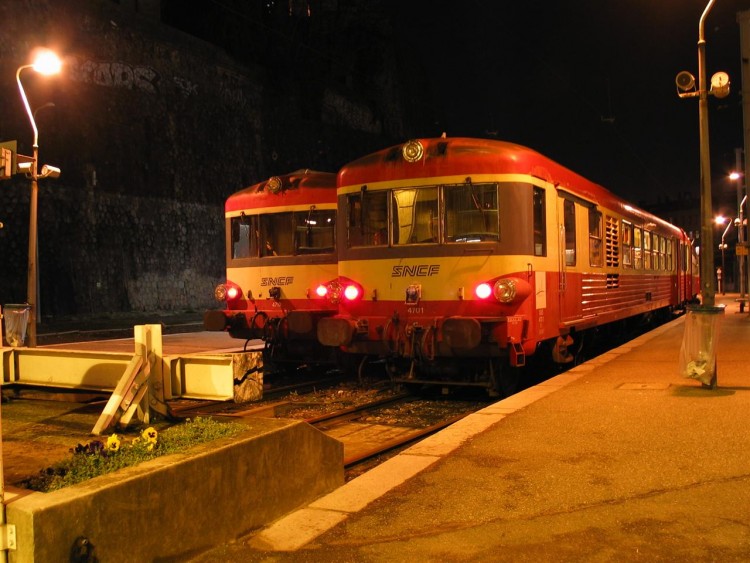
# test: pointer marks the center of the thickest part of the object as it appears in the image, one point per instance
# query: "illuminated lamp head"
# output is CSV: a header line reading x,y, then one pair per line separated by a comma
x,y
227,292
504,290
321,290
483,290
352,292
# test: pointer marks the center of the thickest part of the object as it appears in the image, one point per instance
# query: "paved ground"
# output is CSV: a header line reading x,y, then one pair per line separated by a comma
x,y
620,459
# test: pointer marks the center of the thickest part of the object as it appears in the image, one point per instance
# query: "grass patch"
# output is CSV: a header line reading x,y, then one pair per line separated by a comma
x,y
100,457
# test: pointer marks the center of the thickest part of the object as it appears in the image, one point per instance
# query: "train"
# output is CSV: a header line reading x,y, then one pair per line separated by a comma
x,y
450,261
461,258
280,249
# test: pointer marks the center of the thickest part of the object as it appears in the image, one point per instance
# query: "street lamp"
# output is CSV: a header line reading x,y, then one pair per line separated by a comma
x,y
46,63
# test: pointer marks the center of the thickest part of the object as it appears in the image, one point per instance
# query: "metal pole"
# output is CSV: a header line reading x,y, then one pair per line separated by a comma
x,y
708,291
743,18
740,181
31,285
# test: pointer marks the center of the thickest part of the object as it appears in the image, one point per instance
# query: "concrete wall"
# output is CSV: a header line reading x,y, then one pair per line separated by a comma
x,y
179,505
153,129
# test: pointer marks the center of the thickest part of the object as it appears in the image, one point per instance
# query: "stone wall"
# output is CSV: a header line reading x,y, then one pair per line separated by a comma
x,y
153,129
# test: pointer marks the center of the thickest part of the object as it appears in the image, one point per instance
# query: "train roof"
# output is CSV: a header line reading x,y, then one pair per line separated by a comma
x,y
454,156
301,187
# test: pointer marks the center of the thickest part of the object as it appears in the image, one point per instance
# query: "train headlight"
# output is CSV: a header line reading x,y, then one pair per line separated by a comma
x,y
505,290
351,292
483,290
227,292
321,291
220,292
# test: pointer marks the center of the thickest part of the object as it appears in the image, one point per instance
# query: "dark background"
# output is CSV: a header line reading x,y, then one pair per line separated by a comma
x,y
167,107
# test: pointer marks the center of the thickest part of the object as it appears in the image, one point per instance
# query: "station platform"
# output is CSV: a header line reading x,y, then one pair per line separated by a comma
x,y
619,459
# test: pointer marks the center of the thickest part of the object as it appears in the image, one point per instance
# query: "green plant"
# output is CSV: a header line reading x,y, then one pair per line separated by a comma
x,y
98,458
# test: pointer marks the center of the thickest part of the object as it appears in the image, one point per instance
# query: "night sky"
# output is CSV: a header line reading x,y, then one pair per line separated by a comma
x,y
590,83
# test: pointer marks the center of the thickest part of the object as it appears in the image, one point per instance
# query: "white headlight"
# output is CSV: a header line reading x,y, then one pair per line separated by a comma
x,y
505,290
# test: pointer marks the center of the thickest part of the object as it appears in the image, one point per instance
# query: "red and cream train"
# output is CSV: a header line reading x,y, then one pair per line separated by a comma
x,y
458,258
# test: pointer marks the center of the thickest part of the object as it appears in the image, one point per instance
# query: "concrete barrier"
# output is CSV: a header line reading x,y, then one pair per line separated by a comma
x,y
177,506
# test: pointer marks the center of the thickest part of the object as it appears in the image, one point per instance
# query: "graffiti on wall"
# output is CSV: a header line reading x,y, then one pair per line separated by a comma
x,y
113,74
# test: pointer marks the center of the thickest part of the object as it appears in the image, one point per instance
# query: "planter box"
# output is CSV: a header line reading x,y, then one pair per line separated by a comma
x,y
179,505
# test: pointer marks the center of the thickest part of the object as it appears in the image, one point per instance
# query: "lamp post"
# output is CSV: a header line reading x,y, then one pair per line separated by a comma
x,y
723,262
741,250
45,63
703,318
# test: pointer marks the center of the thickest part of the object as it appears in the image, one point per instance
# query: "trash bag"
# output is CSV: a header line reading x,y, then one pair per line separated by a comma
x,y
16,321
698,350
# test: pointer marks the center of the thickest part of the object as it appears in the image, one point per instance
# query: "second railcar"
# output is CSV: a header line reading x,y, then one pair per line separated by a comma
x,y
280,247
461,257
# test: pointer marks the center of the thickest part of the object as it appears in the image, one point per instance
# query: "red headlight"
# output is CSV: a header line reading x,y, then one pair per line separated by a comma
x,y
483,290
351,292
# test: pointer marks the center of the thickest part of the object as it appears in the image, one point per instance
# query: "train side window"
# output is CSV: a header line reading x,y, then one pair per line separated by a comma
x,y
670,255
415,216
569,222
471,212
647,264
315,231
662,253
638,248
540,222
627,244
595,238
367,220
244,243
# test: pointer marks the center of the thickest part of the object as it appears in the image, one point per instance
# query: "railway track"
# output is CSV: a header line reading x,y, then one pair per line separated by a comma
x,y
370,431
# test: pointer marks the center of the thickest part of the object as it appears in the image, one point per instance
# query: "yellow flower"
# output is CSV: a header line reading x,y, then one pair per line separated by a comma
x,y
149,434
135,441
150,447
113,443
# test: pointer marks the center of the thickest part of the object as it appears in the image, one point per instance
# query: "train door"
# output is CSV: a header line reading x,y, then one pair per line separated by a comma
x,y
569,282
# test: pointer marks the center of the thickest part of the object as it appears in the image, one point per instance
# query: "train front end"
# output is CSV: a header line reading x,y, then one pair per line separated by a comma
x,y
280,246
440,269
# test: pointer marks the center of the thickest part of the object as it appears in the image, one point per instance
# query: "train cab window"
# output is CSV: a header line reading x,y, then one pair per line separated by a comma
x,y
569,223
415,216
244,243
367,218
276,234
315,231
627,244
471,213
595,238
540,222
638,248
647,264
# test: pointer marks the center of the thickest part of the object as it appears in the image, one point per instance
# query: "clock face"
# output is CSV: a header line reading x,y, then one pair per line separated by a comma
x,y
719,79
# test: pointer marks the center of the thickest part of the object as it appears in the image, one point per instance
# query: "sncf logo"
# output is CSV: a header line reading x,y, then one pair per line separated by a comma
x,y
420,270
281,280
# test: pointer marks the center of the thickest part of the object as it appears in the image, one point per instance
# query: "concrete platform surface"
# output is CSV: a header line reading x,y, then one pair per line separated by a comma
x,y
619,459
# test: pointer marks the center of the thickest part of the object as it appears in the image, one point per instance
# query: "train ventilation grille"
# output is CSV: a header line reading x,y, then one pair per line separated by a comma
x,y
613,281
613,243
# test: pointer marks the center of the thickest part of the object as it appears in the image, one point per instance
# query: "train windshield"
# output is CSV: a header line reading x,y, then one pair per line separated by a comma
x,y
471,213
430,214
284,234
